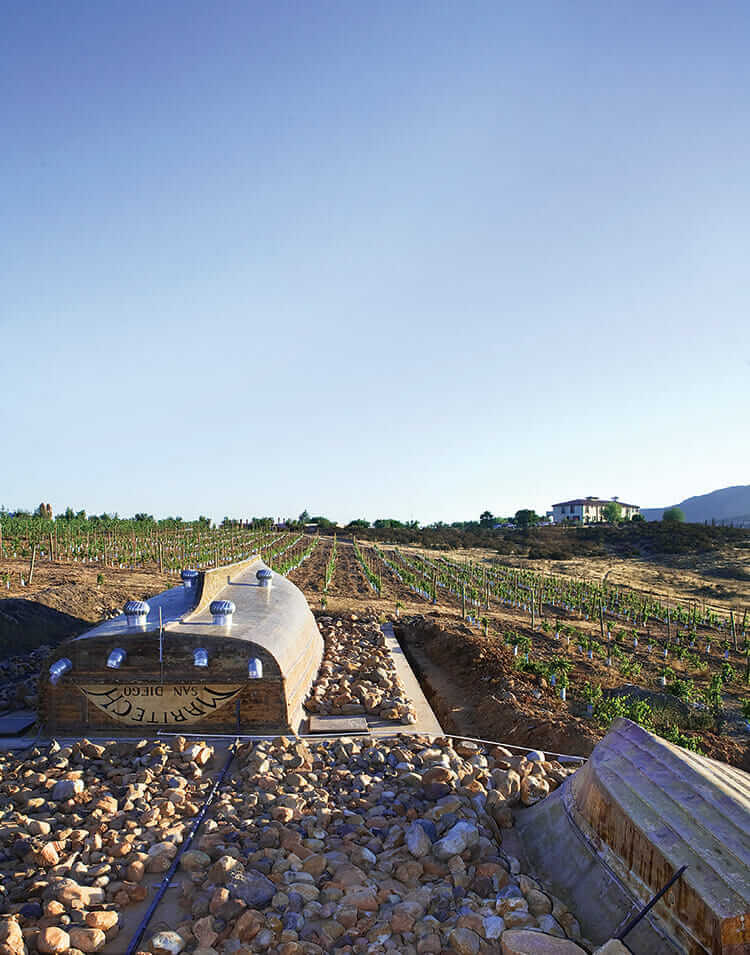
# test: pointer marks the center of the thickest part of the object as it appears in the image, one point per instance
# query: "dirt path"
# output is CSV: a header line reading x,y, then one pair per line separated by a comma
x,y
349,581
349,589
310,575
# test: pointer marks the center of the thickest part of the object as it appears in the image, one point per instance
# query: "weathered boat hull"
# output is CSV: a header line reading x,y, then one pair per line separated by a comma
x,y
158,685
617,830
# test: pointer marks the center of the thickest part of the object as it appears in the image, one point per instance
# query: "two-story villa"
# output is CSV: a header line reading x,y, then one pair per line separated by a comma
x,y
588,510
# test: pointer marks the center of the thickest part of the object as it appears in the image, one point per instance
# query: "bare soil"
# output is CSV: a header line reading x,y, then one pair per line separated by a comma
x,y
65,599
469,681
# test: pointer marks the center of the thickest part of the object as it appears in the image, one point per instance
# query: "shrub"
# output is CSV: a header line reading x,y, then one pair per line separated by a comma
x,y
630,667
682,689
673,515
640,712
673,734
535,667
560,665
592,692
713,692
607,710
728,673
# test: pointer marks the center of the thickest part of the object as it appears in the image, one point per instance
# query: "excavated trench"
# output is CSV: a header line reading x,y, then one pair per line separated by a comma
x,y
477,693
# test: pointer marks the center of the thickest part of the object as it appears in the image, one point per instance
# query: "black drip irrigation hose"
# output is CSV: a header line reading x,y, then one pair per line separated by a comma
x,y
164,884
614,878
634,921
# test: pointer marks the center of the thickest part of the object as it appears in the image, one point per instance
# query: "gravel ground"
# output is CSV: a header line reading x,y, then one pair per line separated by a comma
x,y
344,845
19,676
357,675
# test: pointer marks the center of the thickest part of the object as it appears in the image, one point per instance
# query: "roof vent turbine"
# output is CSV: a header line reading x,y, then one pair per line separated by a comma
x,y
264,577
222,611
136,611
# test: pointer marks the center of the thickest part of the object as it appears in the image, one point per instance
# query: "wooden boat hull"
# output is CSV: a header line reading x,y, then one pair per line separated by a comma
x,y
618,829
159,687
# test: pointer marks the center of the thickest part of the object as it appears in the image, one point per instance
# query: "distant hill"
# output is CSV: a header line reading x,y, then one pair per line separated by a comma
x,y
728,504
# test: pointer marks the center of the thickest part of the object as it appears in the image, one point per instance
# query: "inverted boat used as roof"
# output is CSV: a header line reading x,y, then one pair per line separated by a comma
x,y
235,650
269,616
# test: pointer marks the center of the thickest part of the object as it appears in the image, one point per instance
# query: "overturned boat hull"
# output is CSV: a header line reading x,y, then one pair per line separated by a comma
x,y
617,830
181,666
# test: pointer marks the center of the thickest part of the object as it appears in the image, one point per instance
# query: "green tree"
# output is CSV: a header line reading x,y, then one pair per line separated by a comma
x,y
673,515
322,521
359,522
486,519
612,512
304,517
526,517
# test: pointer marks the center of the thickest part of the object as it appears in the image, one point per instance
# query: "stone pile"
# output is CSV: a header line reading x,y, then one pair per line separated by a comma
x,y
365,846
347,845
80,827
357,675
19,676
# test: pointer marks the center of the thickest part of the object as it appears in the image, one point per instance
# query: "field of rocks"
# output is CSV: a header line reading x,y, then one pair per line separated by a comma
x,y
18,679
357,675
345,845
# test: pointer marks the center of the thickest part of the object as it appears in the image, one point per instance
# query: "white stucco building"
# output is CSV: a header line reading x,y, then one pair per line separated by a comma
x,y
588,510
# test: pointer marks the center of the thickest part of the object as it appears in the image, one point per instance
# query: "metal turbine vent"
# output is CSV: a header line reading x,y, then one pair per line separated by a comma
x,y
222,611
136,611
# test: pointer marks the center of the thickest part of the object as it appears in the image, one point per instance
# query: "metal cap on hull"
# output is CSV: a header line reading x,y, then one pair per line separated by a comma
x,y
59,669
116,658
189,578
221,611
136,612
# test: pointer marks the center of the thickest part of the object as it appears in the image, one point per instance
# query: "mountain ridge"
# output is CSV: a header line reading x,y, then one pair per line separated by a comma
x,y
725,505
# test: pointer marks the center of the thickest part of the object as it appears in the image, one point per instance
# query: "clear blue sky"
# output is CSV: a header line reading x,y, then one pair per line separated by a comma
x,y
372,259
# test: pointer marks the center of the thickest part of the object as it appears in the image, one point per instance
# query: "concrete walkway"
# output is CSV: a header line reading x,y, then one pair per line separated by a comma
x,y
426,720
